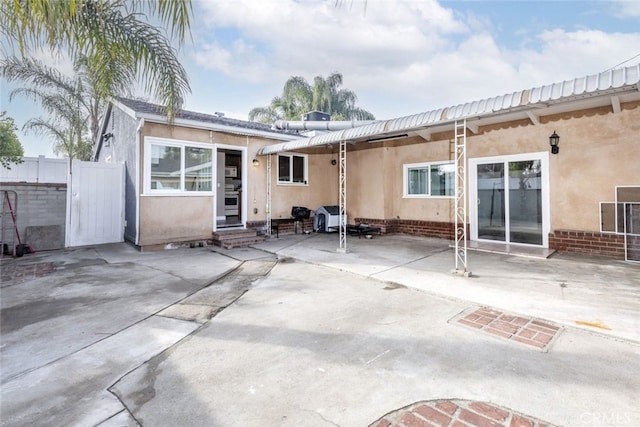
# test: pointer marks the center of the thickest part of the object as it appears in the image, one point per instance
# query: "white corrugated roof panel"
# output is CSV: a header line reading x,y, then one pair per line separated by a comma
x,y
556,92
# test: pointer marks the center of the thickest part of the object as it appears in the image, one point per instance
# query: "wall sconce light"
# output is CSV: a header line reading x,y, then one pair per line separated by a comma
x,y
256,162
106,137
554,139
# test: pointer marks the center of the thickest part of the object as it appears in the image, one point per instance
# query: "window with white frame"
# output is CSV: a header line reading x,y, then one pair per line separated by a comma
x,y
292,169
175,167
429,179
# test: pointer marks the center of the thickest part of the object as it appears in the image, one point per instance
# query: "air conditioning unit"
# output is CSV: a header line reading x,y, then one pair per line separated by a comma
x,y
316,116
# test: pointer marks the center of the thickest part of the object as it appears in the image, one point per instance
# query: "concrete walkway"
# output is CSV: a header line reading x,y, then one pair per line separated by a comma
x,y
383,335
73,322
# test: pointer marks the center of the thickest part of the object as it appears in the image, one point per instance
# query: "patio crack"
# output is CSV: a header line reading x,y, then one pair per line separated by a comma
x,y
410,262
237,282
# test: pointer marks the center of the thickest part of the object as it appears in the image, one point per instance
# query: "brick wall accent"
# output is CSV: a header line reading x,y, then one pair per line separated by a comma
x,y
582,242
441,230
586,242
284,228
258,226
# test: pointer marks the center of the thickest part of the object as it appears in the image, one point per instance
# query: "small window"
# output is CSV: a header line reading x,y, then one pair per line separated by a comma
x,y
429,180
292,169
165,167
198,169
418,181
175,167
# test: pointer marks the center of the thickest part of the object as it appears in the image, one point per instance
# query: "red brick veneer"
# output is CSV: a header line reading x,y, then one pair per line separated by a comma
x,y
284,228
582,242
442,230
586,242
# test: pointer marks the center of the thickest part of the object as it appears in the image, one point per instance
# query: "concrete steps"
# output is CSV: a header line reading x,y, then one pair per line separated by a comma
x,y
230,239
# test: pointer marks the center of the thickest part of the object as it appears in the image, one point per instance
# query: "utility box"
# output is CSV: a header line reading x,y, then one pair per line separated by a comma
x,y
316,116
326,219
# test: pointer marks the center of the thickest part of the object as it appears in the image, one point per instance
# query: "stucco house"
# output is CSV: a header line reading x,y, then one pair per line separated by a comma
x,y
196,175
489,159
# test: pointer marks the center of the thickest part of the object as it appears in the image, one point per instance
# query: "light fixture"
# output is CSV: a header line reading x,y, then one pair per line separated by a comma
x,y
256,162
554,139
333,162
106,137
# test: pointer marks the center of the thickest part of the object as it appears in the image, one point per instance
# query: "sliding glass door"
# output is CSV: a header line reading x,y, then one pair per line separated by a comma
x,y
510,199
491,202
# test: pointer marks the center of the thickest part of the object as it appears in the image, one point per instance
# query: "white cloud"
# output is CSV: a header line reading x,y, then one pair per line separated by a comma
x,y
400,57
241,60
626,8
565,55
311,38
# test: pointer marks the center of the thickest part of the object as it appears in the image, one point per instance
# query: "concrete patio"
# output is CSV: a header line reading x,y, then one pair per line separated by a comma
x,y
110,336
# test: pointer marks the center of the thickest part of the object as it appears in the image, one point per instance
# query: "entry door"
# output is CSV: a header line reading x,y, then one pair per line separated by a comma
x,y
511,199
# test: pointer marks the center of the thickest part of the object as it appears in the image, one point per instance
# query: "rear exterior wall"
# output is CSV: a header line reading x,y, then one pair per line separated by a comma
x,y
165,219
599,150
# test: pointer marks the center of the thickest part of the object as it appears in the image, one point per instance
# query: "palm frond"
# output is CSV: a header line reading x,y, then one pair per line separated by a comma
x,y
35,73
111,31
139,49
266,115
175,14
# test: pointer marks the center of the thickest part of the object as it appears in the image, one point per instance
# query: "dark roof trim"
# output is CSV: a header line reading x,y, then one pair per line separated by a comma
x,y
155,113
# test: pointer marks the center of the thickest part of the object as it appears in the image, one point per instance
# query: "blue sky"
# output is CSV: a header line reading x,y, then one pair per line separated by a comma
x,y
400,57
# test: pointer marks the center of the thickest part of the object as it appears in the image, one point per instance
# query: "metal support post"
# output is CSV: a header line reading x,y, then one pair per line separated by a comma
x,y
342,190
460,205
268,204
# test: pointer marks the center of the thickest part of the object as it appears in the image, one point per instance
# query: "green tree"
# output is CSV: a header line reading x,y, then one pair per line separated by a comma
x,y
11,150
299,97
72,104
112,38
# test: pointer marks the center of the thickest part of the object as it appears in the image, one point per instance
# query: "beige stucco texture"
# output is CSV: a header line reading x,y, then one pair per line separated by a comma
x,y
597,153
322,188
182,218
599,150
166,218
175,219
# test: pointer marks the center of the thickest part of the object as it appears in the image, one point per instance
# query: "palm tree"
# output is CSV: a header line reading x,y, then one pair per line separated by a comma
x,y
111,38
299,97
73,104
51,88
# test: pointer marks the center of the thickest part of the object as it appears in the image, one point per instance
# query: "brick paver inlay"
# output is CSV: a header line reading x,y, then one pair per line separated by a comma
x,y
456,413
521,329
22,272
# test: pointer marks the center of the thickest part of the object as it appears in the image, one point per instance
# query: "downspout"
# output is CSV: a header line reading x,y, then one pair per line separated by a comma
x,y
140,168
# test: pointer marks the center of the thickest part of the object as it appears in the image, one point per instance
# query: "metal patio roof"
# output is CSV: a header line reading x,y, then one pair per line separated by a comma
x,y
574,94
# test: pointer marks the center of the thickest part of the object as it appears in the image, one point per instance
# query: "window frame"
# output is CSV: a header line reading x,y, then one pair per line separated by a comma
x,y
305,158
182,191
428,166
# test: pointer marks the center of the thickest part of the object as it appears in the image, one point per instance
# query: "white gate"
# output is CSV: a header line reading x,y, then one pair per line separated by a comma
x,y
95,203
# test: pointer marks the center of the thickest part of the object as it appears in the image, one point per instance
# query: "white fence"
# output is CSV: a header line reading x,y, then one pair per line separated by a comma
x,y
36,170
53,209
